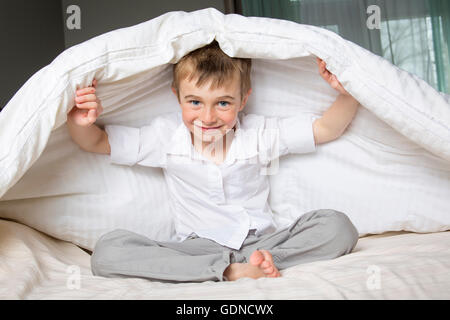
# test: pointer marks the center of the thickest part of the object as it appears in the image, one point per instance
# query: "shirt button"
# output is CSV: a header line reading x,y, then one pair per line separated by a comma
x,y
216,191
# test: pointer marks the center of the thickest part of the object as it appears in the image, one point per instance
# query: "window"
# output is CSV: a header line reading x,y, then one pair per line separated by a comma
x,y
413,34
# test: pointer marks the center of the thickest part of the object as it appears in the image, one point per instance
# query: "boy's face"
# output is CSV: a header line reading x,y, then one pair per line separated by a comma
x,y
209,113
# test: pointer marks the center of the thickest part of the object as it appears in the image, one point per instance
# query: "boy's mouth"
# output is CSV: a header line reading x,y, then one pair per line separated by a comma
x,y
209,128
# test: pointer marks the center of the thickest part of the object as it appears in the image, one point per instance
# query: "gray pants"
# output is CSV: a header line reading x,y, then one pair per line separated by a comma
x,y
316,235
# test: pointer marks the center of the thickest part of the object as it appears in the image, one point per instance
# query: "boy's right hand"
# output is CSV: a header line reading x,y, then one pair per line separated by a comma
x,y
87,106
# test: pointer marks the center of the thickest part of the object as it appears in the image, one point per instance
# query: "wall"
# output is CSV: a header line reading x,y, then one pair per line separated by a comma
x,y
31,36
33,33
101,16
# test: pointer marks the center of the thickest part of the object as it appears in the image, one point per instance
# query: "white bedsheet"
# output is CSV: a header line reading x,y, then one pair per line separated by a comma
x,y
395,265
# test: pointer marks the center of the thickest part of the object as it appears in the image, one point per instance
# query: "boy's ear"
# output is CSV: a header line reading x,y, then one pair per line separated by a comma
x,y
245,98
175,93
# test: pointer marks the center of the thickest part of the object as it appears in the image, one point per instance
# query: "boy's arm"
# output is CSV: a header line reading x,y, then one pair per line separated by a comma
x,y
90,138
335,120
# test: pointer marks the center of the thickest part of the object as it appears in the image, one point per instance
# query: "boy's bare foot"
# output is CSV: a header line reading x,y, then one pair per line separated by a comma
x,y
261,265
263,259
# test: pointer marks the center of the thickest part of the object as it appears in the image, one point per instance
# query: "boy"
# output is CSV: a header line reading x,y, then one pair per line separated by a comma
x,y
212,156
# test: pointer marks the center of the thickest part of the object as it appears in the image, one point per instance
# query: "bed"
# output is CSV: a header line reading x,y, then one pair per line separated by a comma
x,y
389,172
393,265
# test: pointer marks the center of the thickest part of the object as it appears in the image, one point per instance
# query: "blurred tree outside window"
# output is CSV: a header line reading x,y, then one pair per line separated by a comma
x,y
413,35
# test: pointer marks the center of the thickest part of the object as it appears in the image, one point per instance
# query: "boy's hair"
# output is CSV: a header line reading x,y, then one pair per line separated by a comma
x,y
210,62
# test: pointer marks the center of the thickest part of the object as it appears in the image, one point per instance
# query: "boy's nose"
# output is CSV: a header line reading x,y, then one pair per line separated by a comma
x,y
208,116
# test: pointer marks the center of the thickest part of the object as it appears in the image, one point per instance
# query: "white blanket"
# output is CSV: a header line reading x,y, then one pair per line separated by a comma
x,y
389,171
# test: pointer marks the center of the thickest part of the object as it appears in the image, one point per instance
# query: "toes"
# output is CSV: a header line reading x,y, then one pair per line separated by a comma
x,y
264,260
269,270
267,255
256,258
265,264
274,274
268,266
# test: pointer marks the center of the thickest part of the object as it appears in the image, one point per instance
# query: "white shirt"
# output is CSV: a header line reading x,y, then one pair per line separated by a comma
x,y
219,202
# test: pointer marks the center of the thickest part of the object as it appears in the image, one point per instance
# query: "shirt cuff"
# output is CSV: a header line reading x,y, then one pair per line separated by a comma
x,y
124,143
297,133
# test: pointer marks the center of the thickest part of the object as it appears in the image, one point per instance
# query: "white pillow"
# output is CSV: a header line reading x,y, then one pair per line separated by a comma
x,y
389,171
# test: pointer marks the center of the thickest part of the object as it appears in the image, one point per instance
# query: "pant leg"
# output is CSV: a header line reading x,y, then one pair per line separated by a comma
x,y
317,235
123,253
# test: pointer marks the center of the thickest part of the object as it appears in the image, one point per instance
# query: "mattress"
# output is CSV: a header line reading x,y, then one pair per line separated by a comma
x,y
393,265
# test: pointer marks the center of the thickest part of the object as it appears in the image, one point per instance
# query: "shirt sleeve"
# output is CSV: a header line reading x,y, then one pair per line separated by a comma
x,y
143,146
124,143
281,136
297,135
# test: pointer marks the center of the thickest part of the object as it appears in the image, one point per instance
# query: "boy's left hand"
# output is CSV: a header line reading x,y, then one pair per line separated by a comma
x,y
330,78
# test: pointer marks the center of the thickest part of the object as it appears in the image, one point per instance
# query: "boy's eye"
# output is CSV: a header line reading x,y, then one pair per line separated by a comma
x,y
194,102
223,104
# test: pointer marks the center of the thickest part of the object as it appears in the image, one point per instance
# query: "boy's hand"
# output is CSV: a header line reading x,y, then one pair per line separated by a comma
x,y
330,78
87,106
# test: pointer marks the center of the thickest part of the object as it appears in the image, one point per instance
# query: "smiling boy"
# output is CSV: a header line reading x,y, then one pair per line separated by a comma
x,y
212,155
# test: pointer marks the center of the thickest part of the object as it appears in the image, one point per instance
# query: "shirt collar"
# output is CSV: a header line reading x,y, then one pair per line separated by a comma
x,y
244,145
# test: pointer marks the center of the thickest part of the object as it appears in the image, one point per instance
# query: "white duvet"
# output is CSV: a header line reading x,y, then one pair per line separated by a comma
x,y
390,171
